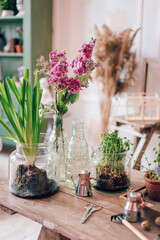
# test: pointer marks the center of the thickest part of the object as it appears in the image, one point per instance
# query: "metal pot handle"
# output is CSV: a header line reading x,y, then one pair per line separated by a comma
x,y
73,179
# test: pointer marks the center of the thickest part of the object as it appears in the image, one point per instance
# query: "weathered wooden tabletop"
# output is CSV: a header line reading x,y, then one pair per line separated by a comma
x,y
61,214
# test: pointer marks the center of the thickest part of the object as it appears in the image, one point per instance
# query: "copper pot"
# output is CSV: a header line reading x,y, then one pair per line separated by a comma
x,y
153,188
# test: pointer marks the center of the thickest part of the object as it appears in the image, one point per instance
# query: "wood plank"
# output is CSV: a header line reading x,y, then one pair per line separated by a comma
x,y
136,123
148,138
46,234
17,227
7,210
63,211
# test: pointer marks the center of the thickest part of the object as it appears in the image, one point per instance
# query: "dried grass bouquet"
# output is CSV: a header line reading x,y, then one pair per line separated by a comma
x,y
114,54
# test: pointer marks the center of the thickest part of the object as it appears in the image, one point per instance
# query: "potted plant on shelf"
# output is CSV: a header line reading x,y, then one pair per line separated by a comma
x,y
19,46
113,167
27,170
8,7
152,176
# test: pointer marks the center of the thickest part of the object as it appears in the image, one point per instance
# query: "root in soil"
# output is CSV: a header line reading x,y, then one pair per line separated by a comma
x,y
108,180
32,182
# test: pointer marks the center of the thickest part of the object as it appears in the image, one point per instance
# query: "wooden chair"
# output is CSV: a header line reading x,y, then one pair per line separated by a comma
x,y
142,132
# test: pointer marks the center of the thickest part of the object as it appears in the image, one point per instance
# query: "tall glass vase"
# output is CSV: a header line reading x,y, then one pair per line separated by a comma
x,y
78,154
57,141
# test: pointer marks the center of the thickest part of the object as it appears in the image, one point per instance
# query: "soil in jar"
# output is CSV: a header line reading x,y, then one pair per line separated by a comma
x,y
109,179
32,182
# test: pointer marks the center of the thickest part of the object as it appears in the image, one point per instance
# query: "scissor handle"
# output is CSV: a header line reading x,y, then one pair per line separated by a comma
x,y
92,207
96,208
88,206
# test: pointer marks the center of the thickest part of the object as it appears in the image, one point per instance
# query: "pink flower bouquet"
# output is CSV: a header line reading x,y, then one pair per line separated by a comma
x,y
56,71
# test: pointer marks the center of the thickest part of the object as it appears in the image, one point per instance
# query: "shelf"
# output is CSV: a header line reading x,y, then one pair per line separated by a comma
x,y
11,18
11,54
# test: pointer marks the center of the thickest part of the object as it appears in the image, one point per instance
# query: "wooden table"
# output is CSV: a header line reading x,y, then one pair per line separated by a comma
x,y
143,132
60,214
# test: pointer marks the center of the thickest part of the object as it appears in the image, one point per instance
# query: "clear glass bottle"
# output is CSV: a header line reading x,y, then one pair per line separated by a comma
x,y
78,153
96,155
27,170
58,141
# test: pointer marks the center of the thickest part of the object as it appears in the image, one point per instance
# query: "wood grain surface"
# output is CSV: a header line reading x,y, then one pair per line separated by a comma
x,y
63,211
136,123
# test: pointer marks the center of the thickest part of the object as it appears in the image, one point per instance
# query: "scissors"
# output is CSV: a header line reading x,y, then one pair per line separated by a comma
x,y
90,208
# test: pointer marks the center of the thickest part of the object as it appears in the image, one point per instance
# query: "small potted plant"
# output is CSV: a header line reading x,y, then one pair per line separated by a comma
x,y
8,7
113,167
19,46
27,170
152,176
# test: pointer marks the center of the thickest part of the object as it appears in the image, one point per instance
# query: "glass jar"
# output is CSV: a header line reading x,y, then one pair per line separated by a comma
x,y
78,153
58,142
95,157
27,170
112,170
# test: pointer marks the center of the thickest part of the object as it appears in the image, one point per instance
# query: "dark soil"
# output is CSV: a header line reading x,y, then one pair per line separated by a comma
x,y
112,181
32,182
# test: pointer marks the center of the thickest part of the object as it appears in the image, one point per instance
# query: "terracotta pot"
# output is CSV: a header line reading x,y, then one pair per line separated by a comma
x,y
153,188
19,48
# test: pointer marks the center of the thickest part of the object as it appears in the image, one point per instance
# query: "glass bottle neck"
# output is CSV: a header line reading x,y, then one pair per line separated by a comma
x,y
58,123
78,128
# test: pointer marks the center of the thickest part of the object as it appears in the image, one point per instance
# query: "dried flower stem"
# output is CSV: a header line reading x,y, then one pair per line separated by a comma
x,y
114,54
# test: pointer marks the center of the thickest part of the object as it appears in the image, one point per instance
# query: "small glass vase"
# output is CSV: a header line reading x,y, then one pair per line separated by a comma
x,y
27,170
78,154
58,142
112,170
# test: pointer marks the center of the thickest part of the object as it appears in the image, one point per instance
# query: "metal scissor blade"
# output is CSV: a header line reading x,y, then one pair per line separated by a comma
x,y
83,220
86,216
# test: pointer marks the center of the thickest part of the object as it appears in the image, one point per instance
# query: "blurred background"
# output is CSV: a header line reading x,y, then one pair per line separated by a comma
x,y
40,27
34,28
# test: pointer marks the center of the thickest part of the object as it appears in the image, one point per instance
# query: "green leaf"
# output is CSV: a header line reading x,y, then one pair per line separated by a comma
x,y
26,74
12,107
22,102
34,112
10,118
8,129
61,95
29,110
8,137
73,98
62,108
40,96
3,92
26,127
83,79
37,107
54,106
14,88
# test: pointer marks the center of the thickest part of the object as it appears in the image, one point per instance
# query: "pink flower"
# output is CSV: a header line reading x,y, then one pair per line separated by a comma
x,y
45,66
82,65
87,49
56,57
60,69
72,85
18,29
57,69
79,66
